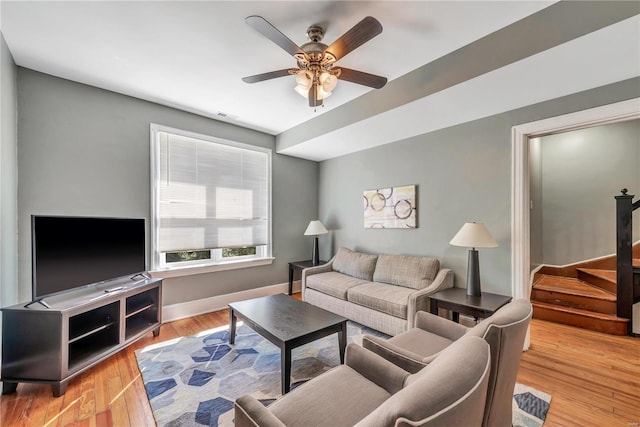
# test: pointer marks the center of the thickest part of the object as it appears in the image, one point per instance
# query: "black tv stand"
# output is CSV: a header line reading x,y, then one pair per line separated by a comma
x,y
40,301
56,340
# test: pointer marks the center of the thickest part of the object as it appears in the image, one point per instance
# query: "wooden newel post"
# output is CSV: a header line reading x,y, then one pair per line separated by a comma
x,y
624,268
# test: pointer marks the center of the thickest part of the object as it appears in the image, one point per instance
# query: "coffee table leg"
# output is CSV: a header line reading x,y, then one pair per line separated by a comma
x,y
232,326
342,341
285,368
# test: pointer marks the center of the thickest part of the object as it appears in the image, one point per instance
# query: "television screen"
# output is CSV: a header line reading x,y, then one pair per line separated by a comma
x,y
74,251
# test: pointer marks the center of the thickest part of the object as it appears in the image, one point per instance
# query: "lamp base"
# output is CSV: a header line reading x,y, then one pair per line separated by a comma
x,y
315,255
473,274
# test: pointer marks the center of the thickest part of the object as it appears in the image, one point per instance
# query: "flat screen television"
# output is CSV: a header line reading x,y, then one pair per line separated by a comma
x,y
69,252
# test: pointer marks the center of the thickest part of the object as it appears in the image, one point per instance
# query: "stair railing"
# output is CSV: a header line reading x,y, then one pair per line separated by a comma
x,y
624,254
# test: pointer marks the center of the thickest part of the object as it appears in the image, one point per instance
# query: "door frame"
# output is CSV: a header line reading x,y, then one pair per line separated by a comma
x,y
520,190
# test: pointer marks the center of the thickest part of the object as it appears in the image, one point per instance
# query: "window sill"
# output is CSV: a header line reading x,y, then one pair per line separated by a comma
x,y
203,269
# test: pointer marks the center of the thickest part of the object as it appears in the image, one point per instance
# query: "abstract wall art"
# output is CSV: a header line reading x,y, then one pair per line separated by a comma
x,y
393,207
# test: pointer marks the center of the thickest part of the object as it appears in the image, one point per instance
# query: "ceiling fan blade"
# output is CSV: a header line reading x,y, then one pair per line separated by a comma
x,y
361,33
266,76
362,78
313,98
263,26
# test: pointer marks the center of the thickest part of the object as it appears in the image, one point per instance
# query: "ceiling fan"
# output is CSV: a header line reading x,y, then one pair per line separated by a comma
x,y
317,75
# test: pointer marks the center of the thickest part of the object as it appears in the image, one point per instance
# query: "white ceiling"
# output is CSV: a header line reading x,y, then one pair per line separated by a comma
x,y
192,56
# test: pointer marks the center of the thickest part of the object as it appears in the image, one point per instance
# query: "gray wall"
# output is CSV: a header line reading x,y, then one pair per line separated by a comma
x,y
463,173
8,178
85,151
581,173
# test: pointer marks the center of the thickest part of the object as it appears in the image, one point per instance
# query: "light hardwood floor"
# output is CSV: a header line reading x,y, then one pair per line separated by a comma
x,y
594,380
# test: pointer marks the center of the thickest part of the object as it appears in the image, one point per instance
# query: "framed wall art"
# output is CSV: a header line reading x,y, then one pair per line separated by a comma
x,y
393,207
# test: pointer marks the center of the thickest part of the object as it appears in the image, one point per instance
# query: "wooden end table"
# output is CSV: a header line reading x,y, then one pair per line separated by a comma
x,y
287,323
457,300
298,266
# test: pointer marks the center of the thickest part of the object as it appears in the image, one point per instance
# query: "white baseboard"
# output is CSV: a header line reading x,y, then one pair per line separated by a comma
x,y
207,305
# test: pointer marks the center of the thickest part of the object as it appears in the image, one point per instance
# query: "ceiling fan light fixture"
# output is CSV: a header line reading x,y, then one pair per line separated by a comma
x,y
303,91
328,81
322,94
315,76
304,80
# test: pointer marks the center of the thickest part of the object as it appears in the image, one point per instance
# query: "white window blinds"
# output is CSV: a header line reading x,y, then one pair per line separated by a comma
x,y
210,194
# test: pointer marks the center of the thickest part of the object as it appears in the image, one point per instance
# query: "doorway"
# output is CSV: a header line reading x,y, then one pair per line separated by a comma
x,y
520,190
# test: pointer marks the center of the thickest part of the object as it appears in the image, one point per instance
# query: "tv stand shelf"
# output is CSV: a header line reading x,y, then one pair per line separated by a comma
x,y
80,328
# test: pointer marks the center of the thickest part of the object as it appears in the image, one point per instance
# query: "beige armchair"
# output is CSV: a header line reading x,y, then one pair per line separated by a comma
x,y
505,331
371,391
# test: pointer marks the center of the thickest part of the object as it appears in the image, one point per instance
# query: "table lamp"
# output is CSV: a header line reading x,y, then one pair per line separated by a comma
x,y
473,235
314,229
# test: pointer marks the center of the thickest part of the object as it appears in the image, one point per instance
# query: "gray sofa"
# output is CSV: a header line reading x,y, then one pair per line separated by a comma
x,y
369,391
383,291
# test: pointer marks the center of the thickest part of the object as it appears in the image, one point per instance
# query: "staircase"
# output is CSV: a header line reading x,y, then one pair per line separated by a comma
x,y
582,295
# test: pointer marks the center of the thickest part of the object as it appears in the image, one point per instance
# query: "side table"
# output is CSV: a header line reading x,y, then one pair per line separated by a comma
x,y
298,266
457,300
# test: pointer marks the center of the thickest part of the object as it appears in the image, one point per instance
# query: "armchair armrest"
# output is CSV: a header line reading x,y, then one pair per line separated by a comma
x,y
419,300
375,368
324,268
249,412
407,360
439,326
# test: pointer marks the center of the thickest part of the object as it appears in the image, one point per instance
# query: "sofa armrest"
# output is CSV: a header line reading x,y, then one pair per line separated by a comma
x,y
407,360
440,326
375,368
249,412
309,271
419,300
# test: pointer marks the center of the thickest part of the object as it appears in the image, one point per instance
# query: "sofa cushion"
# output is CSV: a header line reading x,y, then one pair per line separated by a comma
x,y
389,299
333,283
355,264
402,270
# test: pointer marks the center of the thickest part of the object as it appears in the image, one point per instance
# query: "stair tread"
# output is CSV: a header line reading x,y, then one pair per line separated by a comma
x,y
609,275
572,286
586,313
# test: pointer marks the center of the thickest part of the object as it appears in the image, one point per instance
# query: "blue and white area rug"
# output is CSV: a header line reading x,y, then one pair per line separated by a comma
x,y
194,380
530,406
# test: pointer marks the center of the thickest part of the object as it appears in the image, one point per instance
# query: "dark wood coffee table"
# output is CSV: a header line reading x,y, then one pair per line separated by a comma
x,y
288,323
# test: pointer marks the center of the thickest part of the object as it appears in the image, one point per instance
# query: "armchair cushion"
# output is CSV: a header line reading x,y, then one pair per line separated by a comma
x,y
339,397
410,350
355,264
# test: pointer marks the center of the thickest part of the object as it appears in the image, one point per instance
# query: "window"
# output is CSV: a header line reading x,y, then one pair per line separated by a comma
x,y
211,200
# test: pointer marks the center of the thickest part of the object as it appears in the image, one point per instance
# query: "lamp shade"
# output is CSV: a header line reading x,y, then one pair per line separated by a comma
x,y
315,228
473,235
